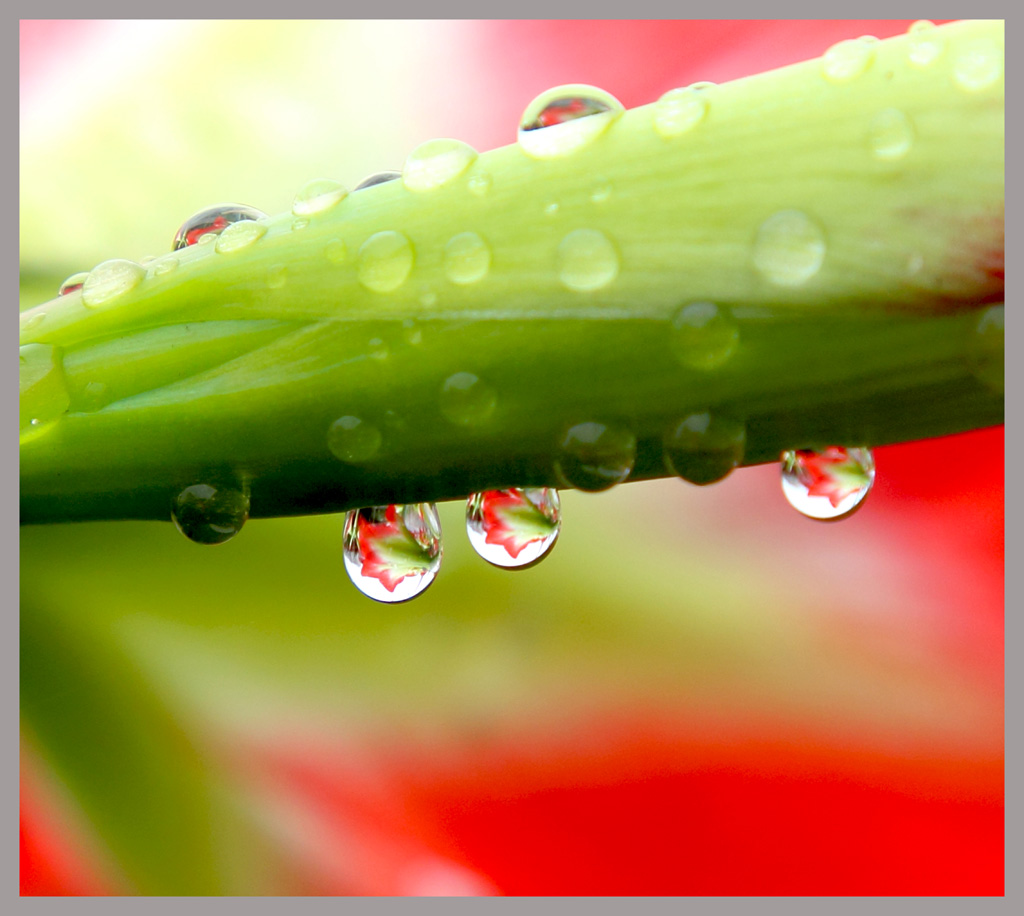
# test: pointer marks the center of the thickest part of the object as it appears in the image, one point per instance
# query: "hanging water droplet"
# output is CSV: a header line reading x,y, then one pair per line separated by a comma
x,y
705,447
890,134
827,484
377,178
978,66
239,235
466,258
514,528
789,248
210,513
42,389
318,196
986,349
479,184
385,260
678,111
73,283
336,251
353,441
435,163
704,336
467,400
392,553
212,221
565,119
587,260
847,60
595,456
109,280
924,44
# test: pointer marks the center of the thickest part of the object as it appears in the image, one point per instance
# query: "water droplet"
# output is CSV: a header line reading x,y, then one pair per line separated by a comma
x,y
705,447
601,193
890,134
109,280
680,110
515,528
789,248
704,335
595,456
239,235
392,553
210,513
587,260
827,484
436,163
848,59
42,389
72,283
551,209
336,251
377,178
318,196
466,258
565,119
208,239
978,66
479,184
165,266
986,350
466,399
299,224
212,222
924,44
385,260
277,276
353,441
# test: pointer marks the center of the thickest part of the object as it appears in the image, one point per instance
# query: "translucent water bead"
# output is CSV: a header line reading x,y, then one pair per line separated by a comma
x,y
212,221
514,528
392,553
566,118
827,484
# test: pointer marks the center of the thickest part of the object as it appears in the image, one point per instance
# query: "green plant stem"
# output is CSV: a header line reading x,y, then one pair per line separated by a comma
x,y
235,365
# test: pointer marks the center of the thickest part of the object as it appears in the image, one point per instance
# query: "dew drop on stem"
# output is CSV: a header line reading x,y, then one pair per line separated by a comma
x,y
212,222
563,120
208,513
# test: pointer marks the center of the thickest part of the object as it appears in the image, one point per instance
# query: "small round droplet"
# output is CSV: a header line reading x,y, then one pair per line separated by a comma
x,y
212,222
890,135
72,283
515,528
704,336
847,60
565,119
318,196
924,44
385,261
277,277
392,553
595,456
551,209
466,399
353,441
978,66
479,184
239,235
42,389
705,447
165,266
436,163
377,178
789,248
986,350
678,111
109,280
827,484
587,260
466,258
210,514
336,251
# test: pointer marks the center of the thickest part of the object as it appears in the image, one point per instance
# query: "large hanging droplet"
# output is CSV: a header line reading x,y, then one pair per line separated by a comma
x,y
212,221
595,456
566,118
210,514
377,178
827,484
514,528
392,553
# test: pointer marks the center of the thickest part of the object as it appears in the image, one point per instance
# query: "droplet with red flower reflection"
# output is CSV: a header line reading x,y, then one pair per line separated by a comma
x,y
514,528
392,553
212,222
827,484
566,118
